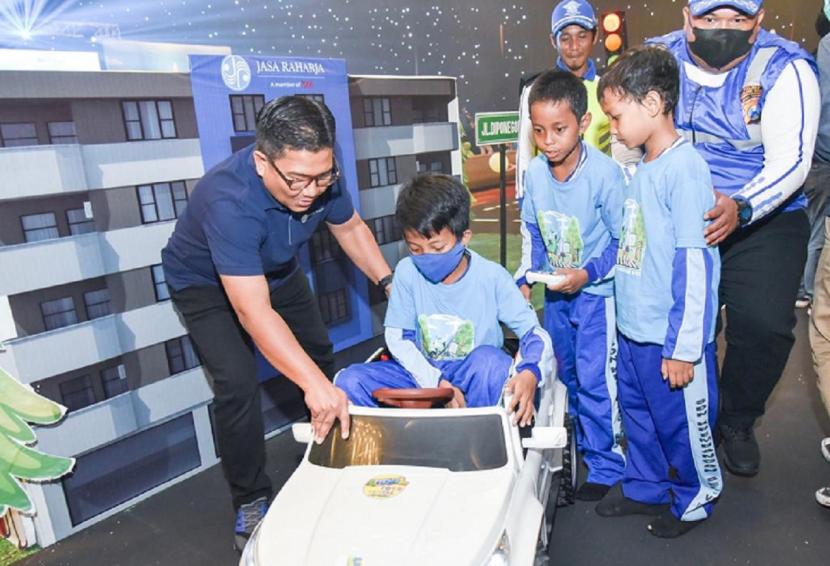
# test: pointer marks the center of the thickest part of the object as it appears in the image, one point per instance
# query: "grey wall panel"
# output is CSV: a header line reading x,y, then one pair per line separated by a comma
x,y
115,208
98,121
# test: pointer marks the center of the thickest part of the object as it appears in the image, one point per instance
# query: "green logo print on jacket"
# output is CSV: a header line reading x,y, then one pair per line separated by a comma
x,y
563,239
632,239
446,337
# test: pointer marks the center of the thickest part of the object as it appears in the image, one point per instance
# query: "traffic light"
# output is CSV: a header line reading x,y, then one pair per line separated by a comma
x,y
614,35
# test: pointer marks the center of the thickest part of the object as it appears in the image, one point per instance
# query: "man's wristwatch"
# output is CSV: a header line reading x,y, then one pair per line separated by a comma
x,y
744,211
385,281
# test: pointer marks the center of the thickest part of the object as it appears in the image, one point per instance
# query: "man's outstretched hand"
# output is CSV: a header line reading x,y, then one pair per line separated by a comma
x,y
327,403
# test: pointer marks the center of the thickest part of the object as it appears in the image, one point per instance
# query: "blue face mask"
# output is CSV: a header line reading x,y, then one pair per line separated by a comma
x,y
437,267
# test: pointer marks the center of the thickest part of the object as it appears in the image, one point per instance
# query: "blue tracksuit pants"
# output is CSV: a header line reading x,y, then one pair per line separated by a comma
x,y
670,449
583,330
480,376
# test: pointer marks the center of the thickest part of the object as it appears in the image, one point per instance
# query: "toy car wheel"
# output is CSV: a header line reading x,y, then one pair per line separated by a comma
x,y
569,476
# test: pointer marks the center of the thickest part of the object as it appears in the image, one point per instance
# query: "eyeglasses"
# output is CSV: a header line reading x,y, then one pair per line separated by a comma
x,y
323,180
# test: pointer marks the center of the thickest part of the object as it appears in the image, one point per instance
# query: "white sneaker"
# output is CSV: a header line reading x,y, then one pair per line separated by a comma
x,y
823,496
825,448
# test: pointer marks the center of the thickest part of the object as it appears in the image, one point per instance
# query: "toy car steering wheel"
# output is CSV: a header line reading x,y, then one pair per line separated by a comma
x,y
420,398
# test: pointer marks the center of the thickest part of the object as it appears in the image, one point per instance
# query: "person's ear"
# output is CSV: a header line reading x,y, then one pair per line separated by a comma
x,y
688,28
553,42
653,103
757,29
466,237
260,162
596,35
585,123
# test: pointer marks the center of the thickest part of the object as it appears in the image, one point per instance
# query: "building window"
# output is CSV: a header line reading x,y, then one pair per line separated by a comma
x,y
58,313
62,132
97,303
383,172
334,306
114,380
77,393
162,201
37,227
324,246
148,119
13,135
118,472
245,108
377,111
78,222
386,229
180,355
162,291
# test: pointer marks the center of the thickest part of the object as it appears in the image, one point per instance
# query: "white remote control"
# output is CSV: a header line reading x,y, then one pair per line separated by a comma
x,y
546,278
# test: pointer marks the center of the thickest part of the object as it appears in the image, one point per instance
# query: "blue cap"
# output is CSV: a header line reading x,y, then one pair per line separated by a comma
x,y
700,7
569,12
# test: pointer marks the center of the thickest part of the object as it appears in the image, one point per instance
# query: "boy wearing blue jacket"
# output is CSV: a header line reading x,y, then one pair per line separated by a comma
x,y
666,291
571,216
442,322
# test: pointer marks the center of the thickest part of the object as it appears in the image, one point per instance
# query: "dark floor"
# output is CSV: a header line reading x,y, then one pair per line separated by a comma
x,y
771,519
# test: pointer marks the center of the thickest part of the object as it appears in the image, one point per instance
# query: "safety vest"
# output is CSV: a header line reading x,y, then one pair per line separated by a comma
x,y
724,123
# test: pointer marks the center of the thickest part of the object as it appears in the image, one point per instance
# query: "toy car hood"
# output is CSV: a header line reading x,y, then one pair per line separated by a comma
x,y
387,515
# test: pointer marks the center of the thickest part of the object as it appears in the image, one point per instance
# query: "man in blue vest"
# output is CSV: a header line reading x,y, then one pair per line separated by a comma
x,y
749,101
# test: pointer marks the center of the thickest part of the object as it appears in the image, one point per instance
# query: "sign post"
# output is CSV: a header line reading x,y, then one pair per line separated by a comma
x,y
499,128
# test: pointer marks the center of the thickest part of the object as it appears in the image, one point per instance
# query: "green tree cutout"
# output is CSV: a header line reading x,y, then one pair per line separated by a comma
x,y
19,406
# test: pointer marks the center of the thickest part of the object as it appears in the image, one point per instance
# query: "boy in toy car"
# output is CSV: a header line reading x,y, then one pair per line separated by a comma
x,y
442,322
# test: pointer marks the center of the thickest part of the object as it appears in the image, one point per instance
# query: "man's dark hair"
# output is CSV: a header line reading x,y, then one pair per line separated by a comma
x,y
641,70
430,202
294,122
558,86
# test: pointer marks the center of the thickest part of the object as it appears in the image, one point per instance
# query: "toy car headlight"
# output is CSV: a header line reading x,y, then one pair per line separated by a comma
x,y
249,553
501,555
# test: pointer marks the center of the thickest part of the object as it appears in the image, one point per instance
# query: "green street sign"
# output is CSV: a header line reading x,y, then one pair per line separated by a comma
x,y
497,127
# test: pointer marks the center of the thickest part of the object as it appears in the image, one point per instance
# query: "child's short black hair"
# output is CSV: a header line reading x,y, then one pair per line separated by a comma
x,y
641,70
430,202
557,86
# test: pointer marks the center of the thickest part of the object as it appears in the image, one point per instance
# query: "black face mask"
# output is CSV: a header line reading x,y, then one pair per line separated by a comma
x,y
719,47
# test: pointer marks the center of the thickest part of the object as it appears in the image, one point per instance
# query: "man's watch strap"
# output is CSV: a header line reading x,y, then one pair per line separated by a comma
x,y
385,281
744,210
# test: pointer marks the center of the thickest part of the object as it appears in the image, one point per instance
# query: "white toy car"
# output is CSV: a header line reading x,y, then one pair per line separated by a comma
x,y
423,486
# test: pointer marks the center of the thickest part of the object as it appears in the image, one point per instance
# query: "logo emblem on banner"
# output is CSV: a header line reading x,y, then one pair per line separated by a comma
x,y
236,73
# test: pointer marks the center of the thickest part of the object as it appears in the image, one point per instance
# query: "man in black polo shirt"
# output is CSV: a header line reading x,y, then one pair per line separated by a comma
x,y
232,268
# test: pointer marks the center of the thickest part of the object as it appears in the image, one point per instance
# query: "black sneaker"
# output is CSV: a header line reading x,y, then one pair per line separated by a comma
x,y
590,491
741,454
622,506
247,518
667,525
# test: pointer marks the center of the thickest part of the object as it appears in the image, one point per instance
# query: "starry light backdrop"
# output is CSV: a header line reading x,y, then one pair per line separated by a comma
x,y
487,44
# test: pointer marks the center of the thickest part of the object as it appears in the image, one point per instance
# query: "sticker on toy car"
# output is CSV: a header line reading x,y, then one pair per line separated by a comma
x,y
385,487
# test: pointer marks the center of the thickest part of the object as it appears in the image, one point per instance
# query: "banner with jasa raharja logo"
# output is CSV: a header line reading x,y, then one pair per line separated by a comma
x,y
227,92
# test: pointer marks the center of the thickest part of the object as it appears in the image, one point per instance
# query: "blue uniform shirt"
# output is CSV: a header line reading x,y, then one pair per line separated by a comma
x,y
575,219
664,208
724,122
233,226
452,320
